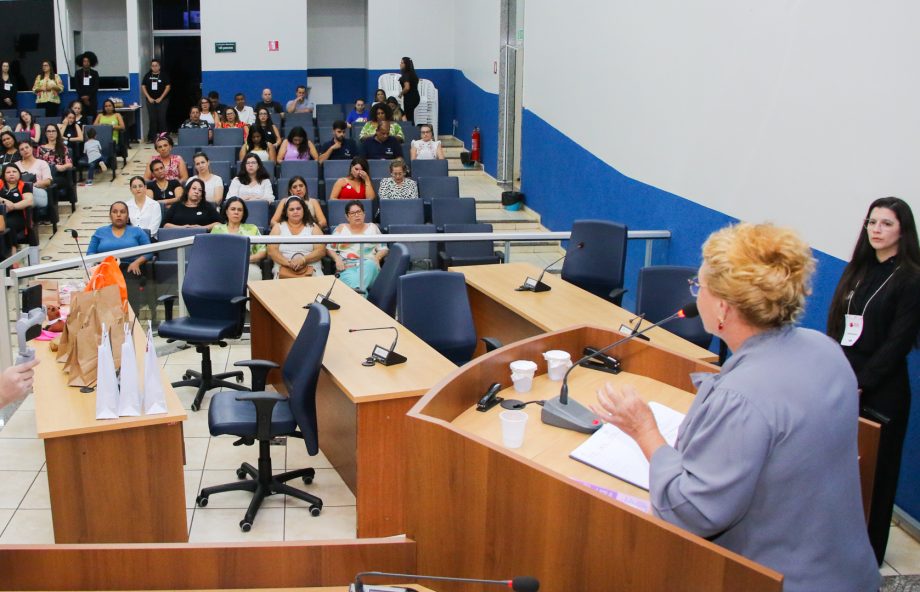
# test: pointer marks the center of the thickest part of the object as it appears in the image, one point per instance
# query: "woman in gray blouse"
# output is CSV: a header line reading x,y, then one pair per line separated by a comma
x,y
766,460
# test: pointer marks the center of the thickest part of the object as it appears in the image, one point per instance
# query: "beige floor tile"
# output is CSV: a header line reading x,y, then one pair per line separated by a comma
x,y
196,449
28,403
237,353
297,457
222,454
233,499
21,454
887,570
220,525
38,497
5,516
192,359
29,527
328,486
332,523
15,486
903,553
196,425
192,485
21,425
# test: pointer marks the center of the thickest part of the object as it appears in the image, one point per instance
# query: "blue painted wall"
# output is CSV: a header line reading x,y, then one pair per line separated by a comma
x,y
251,82
474,107
132,95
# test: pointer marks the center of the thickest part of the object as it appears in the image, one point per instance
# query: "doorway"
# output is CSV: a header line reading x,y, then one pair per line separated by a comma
x,y
181,59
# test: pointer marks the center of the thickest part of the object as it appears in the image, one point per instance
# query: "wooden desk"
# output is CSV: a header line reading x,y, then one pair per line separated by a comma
x,y
500,311
360,410
113,480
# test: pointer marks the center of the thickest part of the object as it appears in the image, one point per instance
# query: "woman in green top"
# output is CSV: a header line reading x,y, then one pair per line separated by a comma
x,y
109,116
233,213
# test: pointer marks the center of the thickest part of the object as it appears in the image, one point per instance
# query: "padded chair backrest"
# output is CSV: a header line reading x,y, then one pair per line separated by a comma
x,y
356,131
312,187
382,292
222,153
188,155
434,305
22,136
258,214
301,373
228,136
425,254
218,267
223,169
165,234
379,168
662,290
333,170
104,136
304,168
428,168
197,136
333,110
323,133
401,211
433,187
304,120
410,132
453,211
276,119
337,215
36,112
468,248
599,265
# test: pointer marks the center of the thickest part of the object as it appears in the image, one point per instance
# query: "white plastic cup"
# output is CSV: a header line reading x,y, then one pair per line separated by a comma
x,y
557,363
513,425
522,373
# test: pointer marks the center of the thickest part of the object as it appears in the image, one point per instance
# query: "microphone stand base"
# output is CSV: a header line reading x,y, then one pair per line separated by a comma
x,y
533,285
327,302
570,416
390,359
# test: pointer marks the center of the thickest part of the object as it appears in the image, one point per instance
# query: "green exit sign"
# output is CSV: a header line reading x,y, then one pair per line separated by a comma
x,y
225,47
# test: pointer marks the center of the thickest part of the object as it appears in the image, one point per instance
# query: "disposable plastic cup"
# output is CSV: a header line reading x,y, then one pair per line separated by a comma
x,y
522,373
557,363
513,426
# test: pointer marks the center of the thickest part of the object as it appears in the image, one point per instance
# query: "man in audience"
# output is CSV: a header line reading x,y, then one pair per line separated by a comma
x,y
301,103
359,114
195,121
244,112
382,144
339,147
268,103
216,105
40,173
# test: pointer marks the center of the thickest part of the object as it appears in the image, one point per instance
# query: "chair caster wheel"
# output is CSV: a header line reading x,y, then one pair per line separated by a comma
x,y
196,406
202,501
307,479
240,474
239,380
245,526
315,510
186,376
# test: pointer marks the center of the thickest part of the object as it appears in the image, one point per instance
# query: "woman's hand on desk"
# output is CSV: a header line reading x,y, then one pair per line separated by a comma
x,y
625,409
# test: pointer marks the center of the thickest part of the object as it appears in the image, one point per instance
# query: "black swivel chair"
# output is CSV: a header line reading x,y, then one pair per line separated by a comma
x,y
662,289
596,258
215,296
271,415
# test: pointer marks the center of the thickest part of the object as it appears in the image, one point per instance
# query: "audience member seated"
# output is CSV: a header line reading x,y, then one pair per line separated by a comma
x,y
108,116
175,164
381,112
233,215
82,119
16,199
427,148
34,171
195,121
213,184
339,147
93,150
54,151
205,113
348,255
3,125
27,124
359,114
217,108
9,151
163,190
292,260
397,186
231,120
192,209
382,145
297,146
268,127
267,102
120,234
257,144
395,109
143,211
301,102
253,182
297,187
357,185
71,132
243,111
380,97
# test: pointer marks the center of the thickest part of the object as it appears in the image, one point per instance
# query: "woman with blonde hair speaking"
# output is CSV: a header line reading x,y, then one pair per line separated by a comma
x,y
765,462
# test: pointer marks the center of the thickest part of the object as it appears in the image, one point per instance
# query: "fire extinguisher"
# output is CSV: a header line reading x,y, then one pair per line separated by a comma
x,y
474,145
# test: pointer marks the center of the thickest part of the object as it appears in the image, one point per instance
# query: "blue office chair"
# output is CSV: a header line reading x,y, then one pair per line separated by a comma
x,y
596,258
435,306
457,253
662,290
196,136
382,292
262,416
428,168
215,296
401,211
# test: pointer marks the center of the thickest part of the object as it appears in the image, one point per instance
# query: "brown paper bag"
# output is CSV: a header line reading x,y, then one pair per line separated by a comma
x,y
83,330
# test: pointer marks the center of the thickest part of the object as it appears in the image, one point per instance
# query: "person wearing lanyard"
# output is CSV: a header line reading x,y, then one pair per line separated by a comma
x,y
875,315
86,82
156,87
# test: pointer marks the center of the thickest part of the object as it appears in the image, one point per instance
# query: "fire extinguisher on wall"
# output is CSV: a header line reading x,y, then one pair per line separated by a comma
x,y
474,145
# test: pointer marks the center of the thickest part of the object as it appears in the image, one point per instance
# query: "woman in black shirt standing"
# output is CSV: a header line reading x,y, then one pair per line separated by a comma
x,y
8,87
875,314
409,83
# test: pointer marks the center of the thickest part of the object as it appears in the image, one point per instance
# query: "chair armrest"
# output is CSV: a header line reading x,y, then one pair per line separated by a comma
x,y
167,300
491,343
239,299
265,404
501,256
616,295
259,370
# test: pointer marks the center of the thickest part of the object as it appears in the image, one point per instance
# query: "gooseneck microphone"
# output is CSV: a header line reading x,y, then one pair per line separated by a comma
x,y
73,233
518,584
572,415
324,298
536,285
380,354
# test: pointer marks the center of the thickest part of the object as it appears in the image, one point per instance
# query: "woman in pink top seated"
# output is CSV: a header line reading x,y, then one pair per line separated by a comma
x,y
175,164
297,146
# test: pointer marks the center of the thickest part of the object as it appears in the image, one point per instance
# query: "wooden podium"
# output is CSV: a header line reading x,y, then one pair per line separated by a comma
x,y
479,509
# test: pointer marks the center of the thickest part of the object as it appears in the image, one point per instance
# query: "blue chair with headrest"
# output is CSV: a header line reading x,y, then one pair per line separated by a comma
x,y
382,292
596,258
662,289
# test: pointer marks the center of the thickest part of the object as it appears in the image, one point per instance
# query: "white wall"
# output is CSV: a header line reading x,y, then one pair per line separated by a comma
x,y
337,33
105,34
476,41
795,112
235,20
420,29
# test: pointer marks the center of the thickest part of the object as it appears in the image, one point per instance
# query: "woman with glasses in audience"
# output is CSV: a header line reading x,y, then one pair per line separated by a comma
x,y
253,181
348,256
257,144
192,210
380,113
213,184
143,211
233,215
296,260
297,146
230,120
268,127
397,185
176,170
357,184
204,107
48,88
427,148
54,151
27,124
297,187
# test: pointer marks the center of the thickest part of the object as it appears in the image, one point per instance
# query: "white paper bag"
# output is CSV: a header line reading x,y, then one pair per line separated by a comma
x,y
106,381
154,399
129,396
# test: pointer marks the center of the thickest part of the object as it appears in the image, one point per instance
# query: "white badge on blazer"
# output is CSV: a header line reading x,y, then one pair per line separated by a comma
x,y
853,326
154,85
7,86
87,80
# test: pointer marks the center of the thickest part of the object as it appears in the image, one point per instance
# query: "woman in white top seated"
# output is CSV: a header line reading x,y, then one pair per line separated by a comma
x,y
204,105
143,211
253,182
296,260
427,148
297,187
347,256
213,184
257,144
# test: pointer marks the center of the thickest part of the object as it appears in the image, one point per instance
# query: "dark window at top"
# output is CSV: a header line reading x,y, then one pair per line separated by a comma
x,y
177,14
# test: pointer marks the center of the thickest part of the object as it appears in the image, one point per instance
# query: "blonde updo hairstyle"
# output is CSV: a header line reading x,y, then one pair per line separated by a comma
x,y
762,270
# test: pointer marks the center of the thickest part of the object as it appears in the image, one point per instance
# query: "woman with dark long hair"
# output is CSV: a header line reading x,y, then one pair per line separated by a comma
x,y
409,83
48,88
875,314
